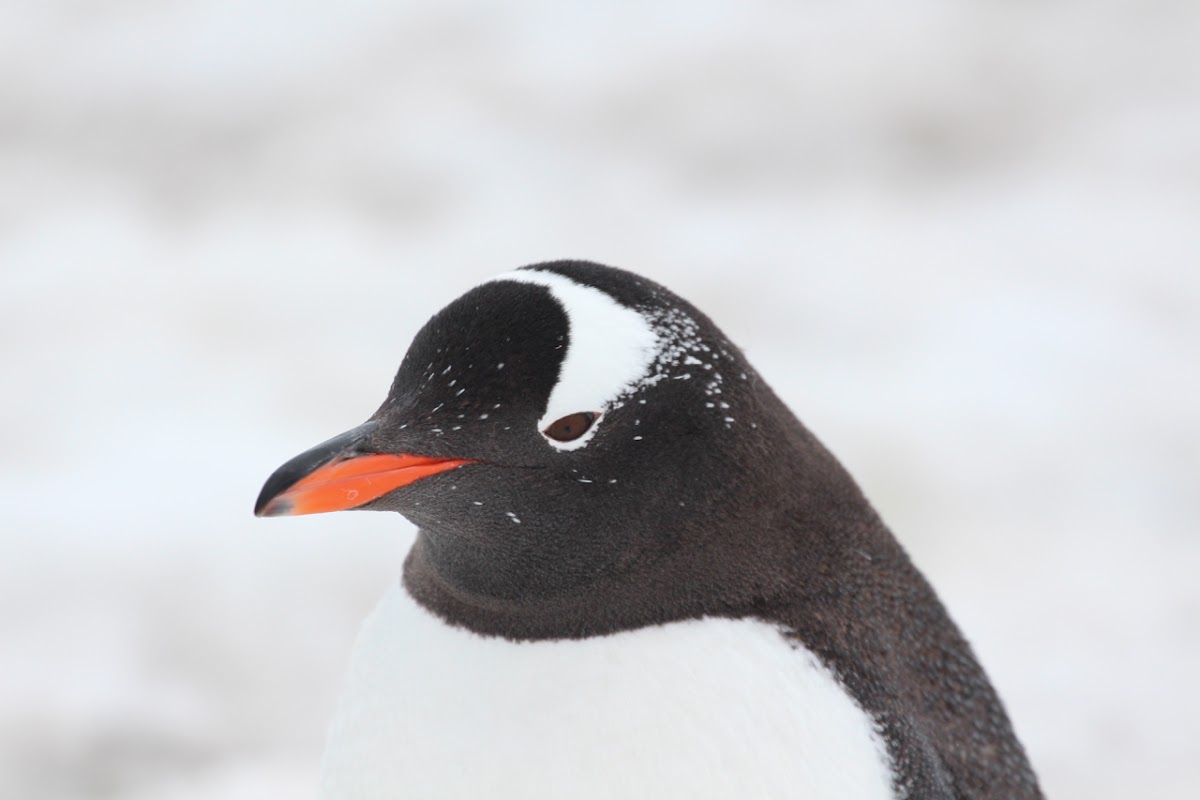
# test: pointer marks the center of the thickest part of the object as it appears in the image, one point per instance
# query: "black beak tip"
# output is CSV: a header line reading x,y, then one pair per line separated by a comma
x,y
269,503
271,506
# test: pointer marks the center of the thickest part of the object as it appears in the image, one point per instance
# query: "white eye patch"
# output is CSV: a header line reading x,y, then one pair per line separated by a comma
x,y
610,348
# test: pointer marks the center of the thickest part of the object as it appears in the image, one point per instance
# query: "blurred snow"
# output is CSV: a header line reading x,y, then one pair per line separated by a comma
x,y
959,237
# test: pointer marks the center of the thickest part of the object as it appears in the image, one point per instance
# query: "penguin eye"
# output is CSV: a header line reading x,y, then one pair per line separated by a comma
x,y
570,427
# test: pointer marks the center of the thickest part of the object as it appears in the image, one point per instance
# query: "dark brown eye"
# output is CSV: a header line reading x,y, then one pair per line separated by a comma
x,y
570,427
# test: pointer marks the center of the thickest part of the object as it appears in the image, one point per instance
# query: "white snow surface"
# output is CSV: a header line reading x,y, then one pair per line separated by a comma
x,y
959,239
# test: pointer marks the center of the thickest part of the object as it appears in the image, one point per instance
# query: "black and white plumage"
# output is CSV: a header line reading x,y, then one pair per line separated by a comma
x,y
636,574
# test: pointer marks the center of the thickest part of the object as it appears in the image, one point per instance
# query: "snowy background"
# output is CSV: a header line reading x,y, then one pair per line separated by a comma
x,y
960,237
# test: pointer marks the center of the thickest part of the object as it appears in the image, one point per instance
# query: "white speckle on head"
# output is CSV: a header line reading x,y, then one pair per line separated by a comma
x,y
483,416
637,438
476,502
611,348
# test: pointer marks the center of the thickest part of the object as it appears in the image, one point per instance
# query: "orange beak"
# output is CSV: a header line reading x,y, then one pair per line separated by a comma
x,y
333,476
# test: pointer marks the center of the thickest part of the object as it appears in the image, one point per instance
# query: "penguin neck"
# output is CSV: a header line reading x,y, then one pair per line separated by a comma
x,y
786,526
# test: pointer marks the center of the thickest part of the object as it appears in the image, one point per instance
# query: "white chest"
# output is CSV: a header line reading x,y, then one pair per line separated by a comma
x,y
710,708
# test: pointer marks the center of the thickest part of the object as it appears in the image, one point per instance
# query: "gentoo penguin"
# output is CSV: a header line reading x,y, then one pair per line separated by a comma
x,y
636,574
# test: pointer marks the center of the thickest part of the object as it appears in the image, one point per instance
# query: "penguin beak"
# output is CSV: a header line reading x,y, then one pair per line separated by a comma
x,y
337,475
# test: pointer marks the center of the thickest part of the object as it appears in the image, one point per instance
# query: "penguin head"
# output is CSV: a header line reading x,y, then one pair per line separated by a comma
x,y
553,430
